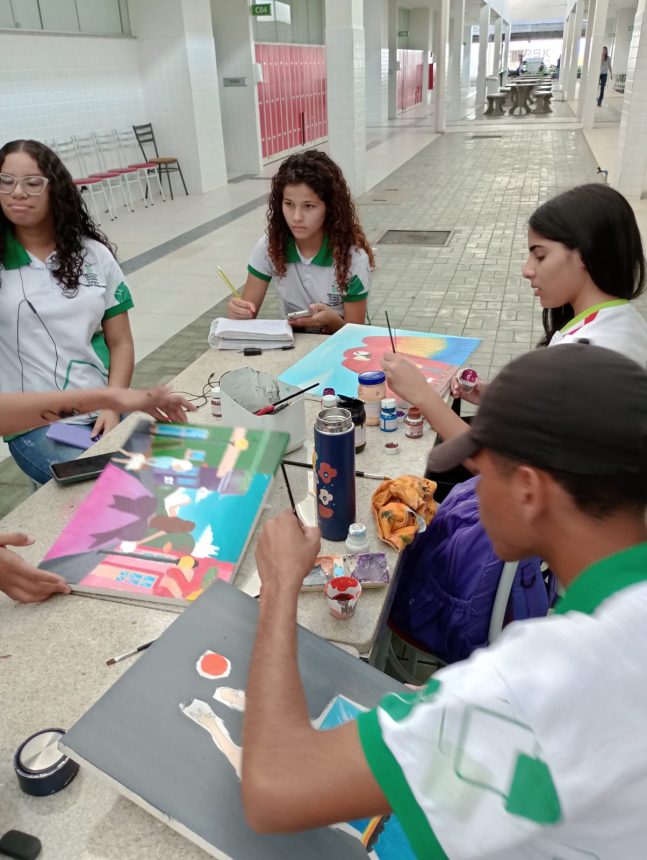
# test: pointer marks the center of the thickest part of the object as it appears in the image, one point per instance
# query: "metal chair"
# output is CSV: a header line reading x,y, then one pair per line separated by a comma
x,y
91,163
165,164
107,149
128,149
66,150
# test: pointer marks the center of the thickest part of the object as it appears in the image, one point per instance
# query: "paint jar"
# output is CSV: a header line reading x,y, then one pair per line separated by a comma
x,y
335,472
372,389
216,402
328,403
391,448
414,424
342,594
357,540
358,414
467,380
388,415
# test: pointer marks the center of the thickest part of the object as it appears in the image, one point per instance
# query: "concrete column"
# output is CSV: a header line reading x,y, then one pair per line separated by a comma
x,y
467,57
457,28
184,106
598,39
571,83
440,84
506,45
484,31
377,61
624,29
420,40
567,55
496,57
346,88
584,78
564,55
392,39
628,172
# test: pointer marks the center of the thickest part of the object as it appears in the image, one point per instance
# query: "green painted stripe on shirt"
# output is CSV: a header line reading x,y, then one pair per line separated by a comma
x,y
614,303
257,274
15,256
392,781
603,579
355,290
118,309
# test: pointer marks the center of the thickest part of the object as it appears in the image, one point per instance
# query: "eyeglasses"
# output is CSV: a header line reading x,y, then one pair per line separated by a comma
x,y
32,185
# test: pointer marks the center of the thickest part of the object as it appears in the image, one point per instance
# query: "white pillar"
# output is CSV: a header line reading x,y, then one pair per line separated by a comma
x,y
624,29
420,40
184,107
585,77
392,36
628,171
506,46
440,87
571,83
598,40
564,54
496,58
467,57
346,89
377,61
484,31
455,59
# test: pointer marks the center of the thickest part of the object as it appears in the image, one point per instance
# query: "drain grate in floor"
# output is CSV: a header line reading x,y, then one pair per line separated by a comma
x,y
435,238
484,136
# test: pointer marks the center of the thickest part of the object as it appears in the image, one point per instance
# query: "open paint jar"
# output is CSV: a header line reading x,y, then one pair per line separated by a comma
x,y
342,594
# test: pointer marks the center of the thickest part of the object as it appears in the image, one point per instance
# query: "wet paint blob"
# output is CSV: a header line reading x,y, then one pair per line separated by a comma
x,y
212,665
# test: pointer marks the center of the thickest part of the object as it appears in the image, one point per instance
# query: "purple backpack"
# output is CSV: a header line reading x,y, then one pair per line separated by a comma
x,y
449,581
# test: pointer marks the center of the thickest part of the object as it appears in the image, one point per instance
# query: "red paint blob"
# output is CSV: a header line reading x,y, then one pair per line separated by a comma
x,y
214,665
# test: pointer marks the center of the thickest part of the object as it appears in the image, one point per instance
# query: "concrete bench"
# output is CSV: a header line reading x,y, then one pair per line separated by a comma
x,y
542,102
495,104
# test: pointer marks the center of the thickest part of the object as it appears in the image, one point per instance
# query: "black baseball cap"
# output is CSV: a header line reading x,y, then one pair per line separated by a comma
x,y
575,408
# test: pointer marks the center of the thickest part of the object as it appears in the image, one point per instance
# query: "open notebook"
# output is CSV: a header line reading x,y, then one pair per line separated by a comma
x,y
172,512
237,334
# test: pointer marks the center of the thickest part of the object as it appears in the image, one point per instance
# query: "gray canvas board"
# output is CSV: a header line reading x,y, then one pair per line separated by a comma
x,y
137,735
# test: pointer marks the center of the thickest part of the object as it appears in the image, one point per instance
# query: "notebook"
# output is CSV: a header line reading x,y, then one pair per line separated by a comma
x,y
172,512
237,334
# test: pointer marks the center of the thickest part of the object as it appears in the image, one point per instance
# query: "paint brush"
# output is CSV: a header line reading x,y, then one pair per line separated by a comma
x,y
145,556
132,653
266,410
358,473
289,489
386,314
228,282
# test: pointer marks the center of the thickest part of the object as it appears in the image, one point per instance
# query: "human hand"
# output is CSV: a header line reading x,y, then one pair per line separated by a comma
x,y
286,551
322,317
160,402
107,419
404,378
474,396
240,309
19,580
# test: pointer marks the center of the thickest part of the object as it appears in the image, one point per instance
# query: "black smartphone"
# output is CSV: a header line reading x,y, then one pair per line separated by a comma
x,y
83,469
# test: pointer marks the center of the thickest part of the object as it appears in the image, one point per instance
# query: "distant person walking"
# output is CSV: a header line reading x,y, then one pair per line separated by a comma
x,y
605,71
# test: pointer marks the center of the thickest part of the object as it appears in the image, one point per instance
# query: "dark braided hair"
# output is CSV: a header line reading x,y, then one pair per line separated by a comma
x,y
341,225
72,223
598,222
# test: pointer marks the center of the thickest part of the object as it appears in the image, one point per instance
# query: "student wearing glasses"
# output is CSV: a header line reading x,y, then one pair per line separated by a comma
x,y
63,300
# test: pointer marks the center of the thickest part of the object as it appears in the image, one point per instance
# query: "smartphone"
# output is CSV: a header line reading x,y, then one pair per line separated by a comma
x,y
297,315
84,469
76,435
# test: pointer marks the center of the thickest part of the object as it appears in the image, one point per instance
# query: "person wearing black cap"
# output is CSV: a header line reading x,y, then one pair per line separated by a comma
x,y
536,746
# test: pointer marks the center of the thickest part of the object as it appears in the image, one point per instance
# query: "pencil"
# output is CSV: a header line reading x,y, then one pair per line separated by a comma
x,y
358,473
288,488
229,283
386,313
125,656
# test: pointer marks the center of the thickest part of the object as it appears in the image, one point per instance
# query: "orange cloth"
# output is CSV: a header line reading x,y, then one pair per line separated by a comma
x,y
393,503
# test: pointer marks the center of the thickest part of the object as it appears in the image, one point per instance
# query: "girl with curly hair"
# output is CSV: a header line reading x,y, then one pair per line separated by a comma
x,y
63,301
315,251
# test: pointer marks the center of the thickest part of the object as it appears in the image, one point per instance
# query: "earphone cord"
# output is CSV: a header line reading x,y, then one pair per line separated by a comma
x,y
26,301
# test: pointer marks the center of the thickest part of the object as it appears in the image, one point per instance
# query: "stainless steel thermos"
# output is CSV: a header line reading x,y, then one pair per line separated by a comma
x,y
335,472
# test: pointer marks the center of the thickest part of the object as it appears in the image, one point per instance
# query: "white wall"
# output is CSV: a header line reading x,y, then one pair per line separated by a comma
x,y
54,86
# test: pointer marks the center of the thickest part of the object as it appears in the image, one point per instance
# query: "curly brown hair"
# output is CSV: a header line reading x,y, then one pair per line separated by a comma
x,y
72,223
320,173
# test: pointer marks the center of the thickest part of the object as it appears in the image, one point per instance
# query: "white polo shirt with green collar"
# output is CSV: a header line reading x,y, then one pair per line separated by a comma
x,y
615,325
48,340
535,747
311,281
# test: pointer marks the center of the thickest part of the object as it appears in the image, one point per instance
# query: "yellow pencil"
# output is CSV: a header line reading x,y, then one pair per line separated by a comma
x,y
228,282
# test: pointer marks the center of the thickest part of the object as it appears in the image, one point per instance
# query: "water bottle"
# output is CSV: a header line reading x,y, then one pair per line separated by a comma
x,y
335,472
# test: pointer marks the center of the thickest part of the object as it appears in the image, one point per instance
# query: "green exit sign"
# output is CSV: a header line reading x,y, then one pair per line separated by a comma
x,y
403,33
260,9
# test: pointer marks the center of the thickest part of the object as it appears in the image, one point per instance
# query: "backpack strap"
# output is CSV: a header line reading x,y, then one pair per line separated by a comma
x,y
501,599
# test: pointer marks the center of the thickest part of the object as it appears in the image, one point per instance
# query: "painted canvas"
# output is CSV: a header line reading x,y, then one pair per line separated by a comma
x,y
370,568
354,349
187,690
172,512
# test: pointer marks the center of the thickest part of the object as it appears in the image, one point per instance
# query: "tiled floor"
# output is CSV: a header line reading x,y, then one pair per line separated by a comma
x,y
483,188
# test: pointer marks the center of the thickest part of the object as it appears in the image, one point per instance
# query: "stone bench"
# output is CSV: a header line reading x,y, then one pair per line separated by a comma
x,y
542,102
495,104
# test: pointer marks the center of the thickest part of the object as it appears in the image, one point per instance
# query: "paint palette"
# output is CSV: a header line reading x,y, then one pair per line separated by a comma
x,y
370,568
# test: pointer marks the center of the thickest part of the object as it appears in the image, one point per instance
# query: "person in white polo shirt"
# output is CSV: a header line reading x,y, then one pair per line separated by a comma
x,y
536,746
63,300
314,252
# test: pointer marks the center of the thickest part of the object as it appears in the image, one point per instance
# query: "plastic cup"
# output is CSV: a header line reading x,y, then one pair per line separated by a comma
x,y
342,594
